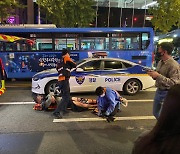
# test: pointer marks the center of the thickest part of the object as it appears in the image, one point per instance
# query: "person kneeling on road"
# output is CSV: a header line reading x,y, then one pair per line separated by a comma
x,y
108,102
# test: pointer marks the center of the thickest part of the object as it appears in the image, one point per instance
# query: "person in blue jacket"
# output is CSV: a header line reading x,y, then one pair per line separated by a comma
x,y
108,102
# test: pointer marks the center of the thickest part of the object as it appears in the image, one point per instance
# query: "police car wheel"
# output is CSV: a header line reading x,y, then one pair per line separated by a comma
x,y
51,86
131,87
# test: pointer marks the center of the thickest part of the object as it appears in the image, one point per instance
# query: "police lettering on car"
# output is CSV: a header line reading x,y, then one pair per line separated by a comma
x,y
112,79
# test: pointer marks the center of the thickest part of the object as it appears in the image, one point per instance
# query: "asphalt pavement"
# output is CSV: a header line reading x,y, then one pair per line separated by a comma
x,y
24,130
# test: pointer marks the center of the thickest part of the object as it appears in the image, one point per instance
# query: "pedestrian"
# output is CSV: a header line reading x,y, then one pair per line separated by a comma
x,y
64,67
2,77
166,75
164,138
108,102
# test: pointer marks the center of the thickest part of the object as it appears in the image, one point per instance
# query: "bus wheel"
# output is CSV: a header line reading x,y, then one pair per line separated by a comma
x,y
50,87
131,87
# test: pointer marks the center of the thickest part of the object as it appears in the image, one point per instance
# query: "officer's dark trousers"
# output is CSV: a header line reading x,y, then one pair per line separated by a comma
x,y
65,90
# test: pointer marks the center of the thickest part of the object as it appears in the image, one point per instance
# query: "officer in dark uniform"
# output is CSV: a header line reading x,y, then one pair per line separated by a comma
x,y
64,67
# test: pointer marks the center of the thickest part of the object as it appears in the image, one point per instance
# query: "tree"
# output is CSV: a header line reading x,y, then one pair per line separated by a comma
x,y
68,13
166,15
7,8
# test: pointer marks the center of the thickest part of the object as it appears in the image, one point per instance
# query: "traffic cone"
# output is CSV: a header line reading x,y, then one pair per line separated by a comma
x,y
3,84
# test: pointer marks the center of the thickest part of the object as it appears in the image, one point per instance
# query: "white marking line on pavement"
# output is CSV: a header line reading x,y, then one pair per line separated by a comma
x,y
24,103
141,100
101,119
150,89
17,103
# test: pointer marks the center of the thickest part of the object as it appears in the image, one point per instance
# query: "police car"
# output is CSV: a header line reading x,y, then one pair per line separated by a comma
x,y
119,74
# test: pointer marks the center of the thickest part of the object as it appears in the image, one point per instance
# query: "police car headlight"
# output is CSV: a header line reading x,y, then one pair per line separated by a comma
x,y
36,78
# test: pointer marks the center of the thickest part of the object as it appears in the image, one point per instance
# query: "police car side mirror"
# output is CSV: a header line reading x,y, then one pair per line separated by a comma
x,y
79,70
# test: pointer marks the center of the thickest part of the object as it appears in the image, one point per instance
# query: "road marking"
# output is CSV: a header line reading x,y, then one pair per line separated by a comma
x,y
24,103
101,119
18,85
16,103
150,89
141,100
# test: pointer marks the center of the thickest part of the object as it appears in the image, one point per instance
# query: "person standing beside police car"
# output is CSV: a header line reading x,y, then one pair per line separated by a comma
x,y
64,67
166,75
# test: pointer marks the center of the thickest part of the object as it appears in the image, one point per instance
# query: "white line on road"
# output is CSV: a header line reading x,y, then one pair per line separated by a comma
x,y
16,103
27,103
151,89
141,100
101,119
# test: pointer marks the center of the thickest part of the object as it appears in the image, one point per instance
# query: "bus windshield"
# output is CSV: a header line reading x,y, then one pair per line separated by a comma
x,y
37,49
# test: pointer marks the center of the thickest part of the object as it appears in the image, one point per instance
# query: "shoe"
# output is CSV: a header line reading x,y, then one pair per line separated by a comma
x,y
94,112
57,115
110,119
66,112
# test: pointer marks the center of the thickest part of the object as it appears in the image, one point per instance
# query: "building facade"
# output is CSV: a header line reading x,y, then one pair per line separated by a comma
x,y
110,13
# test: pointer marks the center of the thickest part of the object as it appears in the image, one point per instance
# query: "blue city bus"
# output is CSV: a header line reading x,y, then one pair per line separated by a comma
x,y
22,59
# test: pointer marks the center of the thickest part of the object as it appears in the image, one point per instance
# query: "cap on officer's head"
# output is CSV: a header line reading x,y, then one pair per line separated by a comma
x,y
65,51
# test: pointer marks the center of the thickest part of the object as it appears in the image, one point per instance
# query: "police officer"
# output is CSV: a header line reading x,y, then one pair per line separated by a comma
x,y
64,67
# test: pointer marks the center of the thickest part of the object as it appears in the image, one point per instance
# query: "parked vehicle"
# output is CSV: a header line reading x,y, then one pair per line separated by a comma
x,y
119,74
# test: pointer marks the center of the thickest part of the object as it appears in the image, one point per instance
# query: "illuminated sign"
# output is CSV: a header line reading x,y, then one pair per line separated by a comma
x,y
165,40
148,17
11,20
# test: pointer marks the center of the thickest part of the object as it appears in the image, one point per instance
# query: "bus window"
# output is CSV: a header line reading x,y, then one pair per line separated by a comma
x,y
44,44
118,43
135,43
10,46
145,41
70,43
88,44
94,43
99,44
125,41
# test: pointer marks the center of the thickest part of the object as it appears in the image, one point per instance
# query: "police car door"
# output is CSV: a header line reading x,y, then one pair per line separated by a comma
x,y
86,76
